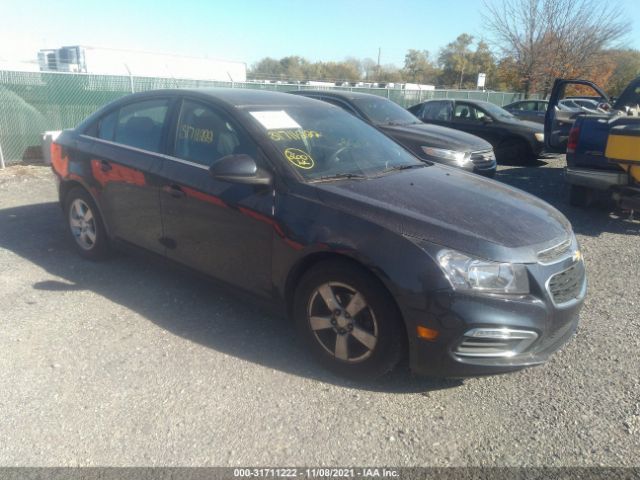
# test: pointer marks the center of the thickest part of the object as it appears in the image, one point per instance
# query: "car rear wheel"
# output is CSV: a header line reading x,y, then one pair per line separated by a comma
x,y
348,320
85,225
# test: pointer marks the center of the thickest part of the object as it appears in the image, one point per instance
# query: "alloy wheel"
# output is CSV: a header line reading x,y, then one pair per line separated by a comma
x,y
342,322
82,224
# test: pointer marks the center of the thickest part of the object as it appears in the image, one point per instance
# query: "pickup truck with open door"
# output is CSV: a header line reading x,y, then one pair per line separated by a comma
x,y
591,165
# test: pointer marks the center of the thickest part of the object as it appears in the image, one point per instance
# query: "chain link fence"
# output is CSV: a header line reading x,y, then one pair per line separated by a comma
x,y
34,102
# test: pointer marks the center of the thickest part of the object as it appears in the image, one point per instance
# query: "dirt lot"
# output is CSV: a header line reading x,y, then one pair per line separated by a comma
x,y
130,362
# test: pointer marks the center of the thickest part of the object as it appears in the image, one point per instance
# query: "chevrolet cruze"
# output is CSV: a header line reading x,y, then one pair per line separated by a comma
x,y
373,253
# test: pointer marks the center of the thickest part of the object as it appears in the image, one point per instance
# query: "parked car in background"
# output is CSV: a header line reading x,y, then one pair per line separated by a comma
x,y
372,252
430,142
532,110
584,104
584,137
512,139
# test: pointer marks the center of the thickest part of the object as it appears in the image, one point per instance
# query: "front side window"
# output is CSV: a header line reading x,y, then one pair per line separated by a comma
x,y
468,113
204,135
327,143
140,124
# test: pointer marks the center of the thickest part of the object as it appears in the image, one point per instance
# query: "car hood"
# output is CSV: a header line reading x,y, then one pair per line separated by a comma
x,y
438,137
455,209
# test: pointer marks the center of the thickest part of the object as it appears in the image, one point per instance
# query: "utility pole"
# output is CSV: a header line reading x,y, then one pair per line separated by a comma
x,y
378,67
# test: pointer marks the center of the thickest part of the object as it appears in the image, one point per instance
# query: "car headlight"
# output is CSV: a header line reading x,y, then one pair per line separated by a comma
x,y
539,136
471,274
459,157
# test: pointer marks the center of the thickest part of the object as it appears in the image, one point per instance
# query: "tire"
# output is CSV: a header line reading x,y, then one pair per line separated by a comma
x,y
84,225
515,150
580,196
362,346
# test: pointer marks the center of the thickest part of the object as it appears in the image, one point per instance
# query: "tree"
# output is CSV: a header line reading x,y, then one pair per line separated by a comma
x,y
554,38
626,67
482,61
369,68
267,68
418,68
389,74
454,59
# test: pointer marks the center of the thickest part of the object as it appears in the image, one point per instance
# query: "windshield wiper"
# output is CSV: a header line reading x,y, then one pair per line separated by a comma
x,y
337,176
404,167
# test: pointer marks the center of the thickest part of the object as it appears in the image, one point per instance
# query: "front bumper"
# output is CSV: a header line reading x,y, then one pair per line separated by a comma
x,y
455,315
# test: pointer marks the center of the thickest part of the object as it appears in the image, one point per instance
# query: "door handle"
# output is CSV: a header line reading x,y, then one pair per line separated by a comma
x,y
105,166
174,190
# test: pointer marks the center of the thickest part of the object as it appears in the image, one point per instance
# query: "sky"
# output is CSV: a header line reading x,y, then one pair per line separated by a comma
x,y
248,30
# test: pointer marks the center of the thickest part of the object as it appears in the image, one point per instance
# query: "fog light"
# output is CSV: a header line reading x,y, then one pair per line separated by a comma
x,y
427,333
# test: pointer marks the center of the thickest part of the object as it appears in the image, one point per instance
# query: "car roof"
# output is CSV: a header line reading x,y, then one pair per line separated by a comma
x,y
343,94
234,97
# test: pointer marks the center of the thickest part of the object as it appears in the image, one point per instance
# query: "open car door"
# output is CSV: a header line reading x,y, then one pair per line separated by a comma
x,y
629,99
558,120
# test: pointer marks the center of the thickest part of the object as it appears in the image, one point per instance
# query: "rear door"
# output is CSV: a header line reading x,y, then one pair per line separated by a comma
x,y
125,161
220,228
558,121
439,112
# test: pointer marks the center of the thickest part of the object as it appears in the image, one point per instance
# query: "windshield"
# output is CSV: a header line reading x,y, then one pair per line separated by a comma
x,y
381,111
323,143
496,111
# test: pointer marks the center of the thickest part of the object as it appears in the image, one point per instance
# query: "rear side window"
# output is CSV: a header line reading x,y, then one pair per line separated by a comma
x,y
140,124
107,126
525,106
437,111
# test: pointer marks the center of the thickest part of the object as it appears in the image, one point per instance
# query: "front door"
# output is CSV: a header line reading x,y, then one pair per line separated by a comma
x,y
221,228
472,119
558,120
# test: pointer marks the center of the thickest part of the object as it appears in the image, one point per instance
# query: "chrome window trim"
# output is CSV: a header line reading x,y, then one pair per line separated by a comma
x,y
148,152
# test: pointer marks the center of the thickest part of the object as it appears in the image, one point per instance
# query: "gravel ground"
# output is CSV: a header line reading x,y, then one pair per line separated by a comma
x,y
130,362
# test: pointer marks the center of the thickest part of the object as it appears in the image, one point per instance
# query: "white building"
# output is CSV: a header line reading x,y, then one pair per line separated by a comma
x,y
112,61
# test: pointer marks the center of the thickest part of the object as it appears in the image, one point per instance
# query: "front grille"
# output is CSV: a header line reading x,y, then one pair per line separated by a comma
x,y
550,255
566,285
483,158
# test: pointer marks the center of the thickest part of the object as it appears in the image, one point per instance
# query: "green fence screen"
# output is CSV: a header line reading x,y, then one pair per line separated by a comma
x,y
34,102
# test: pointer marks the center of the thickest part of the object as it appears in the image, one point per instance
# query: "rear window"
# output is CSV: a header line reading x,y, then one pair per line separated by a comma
x,y
384,112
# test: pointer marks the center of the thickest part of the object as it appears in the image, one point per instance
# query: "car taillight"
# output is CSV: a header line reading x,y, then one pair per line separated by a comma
x,y
572,143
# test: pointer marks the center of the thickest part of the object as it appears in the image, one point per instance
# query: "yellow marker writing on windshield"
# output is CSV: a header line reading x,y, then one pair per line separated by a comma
x,y
299,158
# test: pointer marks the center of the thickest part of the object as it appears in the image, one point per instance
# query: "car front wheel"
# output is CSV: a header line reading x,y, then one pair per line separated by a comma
x,y
348,320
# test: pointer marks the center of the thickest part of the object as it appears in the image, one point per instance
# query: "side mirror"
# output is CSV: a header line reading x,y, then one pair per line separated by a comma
x,y
487,119
239,168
